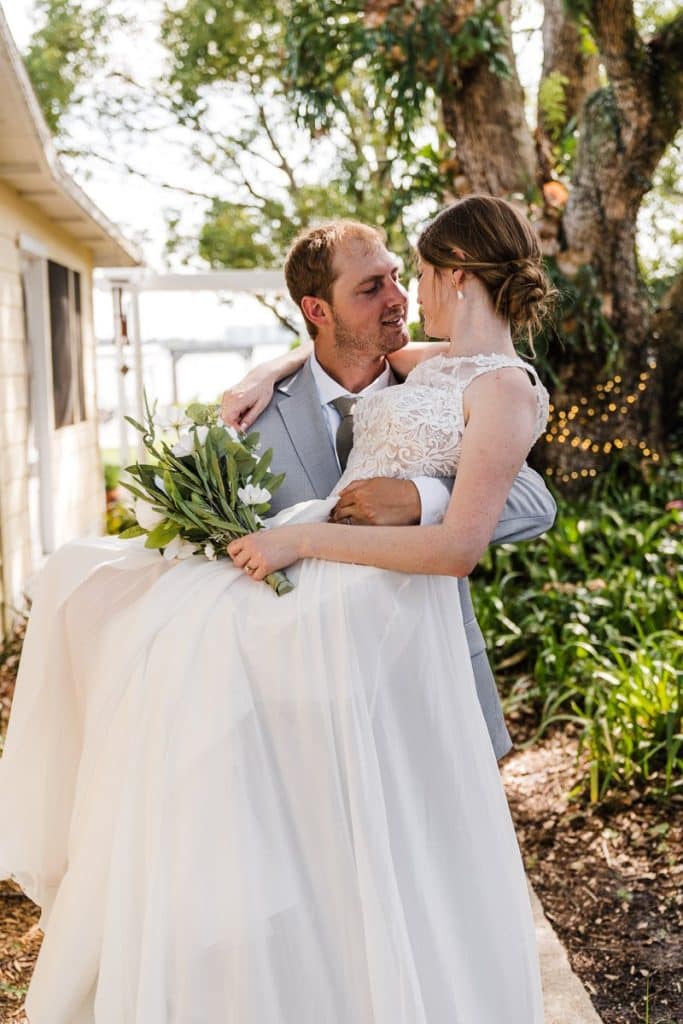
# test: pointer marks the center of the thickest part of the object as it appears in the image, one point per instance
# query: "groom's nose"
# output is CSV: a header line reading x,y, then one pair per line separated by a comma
x,y
398,293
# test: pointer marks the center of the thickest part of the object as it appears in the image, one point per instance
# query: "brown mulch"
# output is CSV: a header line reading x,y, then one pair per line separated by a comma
x,y
609,878
20,938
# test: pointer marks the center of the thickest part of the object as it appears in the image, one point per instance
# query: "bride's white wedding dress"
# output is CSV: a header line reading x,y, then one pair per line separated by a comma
x,y
236,808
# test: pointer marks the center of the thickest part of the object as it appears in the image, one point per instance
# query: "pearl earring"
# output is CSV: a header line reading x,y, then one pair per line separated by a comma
x,y
460,294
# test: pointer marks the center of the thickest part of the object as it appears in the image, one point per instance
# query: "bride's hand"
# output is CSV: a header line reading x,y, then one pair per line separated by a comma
x,y
242,405
266,551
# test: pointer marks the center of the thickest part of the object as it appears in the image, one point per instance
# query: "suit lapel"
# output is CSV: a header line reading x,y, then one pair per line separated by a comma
x,y
302,415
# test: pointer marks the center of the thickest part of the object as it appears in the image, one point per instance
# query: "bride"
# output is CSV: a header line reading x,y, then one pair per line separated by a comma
x,y
235,808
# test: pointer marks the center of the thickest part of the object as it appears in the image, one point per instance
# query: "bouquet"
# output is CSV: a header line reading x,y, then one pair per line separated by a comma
x,y
196,496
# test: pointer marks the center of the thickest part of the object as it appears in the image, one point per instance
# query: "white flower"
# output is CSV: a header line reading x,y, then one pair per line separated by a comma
x,y
173,418
185,443
230,431
250,494
160,483
179,548
210,552
147,516
184,446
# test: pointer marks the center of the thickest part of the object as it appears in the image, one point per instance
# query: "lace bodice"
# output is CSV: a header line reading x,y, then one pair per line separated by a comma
x,y
415,428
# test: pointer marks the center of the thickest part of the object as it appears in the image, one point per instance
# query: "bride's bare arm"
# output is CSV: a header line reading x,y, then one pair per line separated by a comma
x,y
243,403
499,433
407,358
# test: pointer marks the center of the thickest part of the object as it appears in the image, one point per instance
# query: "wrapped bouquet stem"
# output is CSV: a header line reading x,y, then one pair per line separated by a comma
x,y
207,489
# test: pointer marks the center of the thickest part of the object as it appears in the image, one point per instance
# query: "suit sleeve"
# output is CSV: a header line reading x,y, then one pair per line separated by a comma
x,y
529,511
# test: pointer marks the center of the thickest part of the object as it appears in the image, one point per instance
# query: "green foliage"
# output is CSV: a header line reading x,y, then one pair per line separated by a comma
x,y
229,237
405,52
651,15
579,324
284,177
112,474
213,42
552,103
119,518
62,53
587,629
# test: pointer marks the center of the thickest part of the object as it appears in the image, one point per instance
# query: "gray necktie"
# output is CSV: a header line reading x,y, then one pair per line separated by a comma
x,y
344,439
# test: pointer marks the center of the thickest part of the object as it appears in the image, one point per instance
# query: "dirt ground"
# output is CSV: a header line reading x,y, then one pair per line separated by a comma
x,y
610,878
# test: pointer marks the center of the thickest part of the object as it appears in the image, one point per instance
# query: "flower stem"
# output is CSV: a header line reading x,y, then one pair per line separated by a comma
x,y
280,583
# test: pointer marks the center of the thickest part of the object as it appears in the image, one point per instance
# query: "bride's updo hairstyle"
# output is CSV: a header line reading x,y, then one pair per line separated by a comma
x,y
488,237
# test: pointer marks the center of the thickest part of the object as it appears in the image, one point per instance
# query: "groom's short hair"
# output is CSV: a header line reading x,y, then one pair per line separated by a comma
x,y
309,266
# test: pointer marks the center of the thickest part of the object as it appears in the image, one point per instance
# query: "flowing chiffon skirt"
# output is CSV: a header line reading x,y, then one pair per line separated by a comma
x,y
235,808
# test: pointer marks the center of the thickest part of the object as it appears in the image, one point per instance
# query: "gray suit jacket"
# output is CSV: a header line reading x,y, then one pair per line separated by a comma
x,y
294,427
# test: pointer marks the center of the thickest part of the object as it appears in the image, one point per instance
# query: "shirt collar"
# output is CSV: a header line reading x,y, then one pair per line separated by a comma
x,y
329,389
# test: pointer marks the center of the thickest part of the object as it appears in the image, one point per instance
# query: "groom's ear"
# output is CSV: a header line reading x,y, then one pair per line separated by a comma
x,y
316,310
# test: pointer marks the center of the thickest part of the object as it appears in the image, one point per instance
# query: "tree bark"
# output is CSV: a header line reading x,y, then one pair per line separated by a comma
x,y
564,54
626,127
484,114
667,331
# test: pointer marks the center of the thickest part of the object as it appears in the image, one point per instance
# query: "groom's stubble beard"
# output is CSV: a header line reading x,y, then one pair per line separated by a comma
x,y
353,346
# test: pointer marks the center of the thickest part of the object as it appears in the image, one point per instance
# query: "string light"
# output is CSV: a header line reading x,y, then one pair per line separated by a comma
x,y
572,425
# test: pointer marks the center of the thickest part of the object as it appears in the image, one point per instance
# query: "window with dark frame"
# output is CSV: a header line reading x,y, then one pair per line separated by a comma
x,y
67,344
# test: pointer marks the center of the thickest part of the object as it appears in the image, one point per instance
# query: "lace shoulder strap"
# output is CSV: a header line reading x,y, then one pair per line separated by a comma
x,y
475,366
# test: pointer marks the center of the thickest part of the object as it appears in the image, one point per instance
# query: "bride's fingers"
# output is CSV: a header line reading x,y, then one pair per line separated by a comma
x,y
233,407
239,555
241,406
250,415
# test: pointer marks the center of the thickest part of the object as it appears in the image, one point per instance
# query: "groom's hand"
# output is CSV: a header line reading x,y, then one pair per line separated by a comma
x,y
379,501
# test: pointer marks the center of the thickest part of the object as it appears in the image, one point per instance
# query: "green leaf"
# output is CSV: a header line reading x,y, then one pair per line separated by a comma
x,y
136,424
132,531
262,466
162,535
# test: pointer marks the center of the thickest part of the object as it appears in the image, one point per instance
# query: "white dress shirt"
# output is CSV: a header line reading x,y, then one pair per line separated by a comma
x,y
434,494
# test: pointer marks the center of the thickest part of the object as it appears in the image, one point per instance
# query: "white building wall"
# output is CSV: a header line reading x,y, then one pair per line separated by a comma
x,y
76,498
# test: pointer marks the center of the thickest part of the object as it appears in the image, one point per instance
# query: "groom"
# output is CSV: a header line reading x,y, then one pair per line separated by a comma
x,y
346,284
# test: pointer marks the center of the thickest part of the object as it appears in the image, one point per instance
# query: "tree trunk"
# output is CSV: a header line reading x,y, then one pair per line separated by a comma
x,y
625,129
667,332
569,59
484,114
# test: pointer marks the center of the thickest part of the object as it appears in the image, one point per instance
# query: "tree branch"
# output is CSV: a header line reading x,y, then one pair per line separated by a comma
x,y
666,55
623,53
284,163
122,165
278,312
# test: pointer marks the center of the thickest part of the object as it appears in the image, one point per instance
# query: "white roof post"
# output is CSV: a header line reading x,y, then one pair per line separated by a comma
x,y
139,367
119,335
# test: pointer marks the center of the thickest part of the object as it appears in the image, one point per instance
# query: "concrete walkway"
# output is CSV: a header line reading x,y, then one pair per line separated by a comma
x,y
565,999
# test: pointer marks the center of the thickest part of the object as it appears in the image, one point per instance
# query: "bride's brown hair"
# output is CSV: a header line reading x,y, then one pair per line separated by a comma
x,y
488,237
